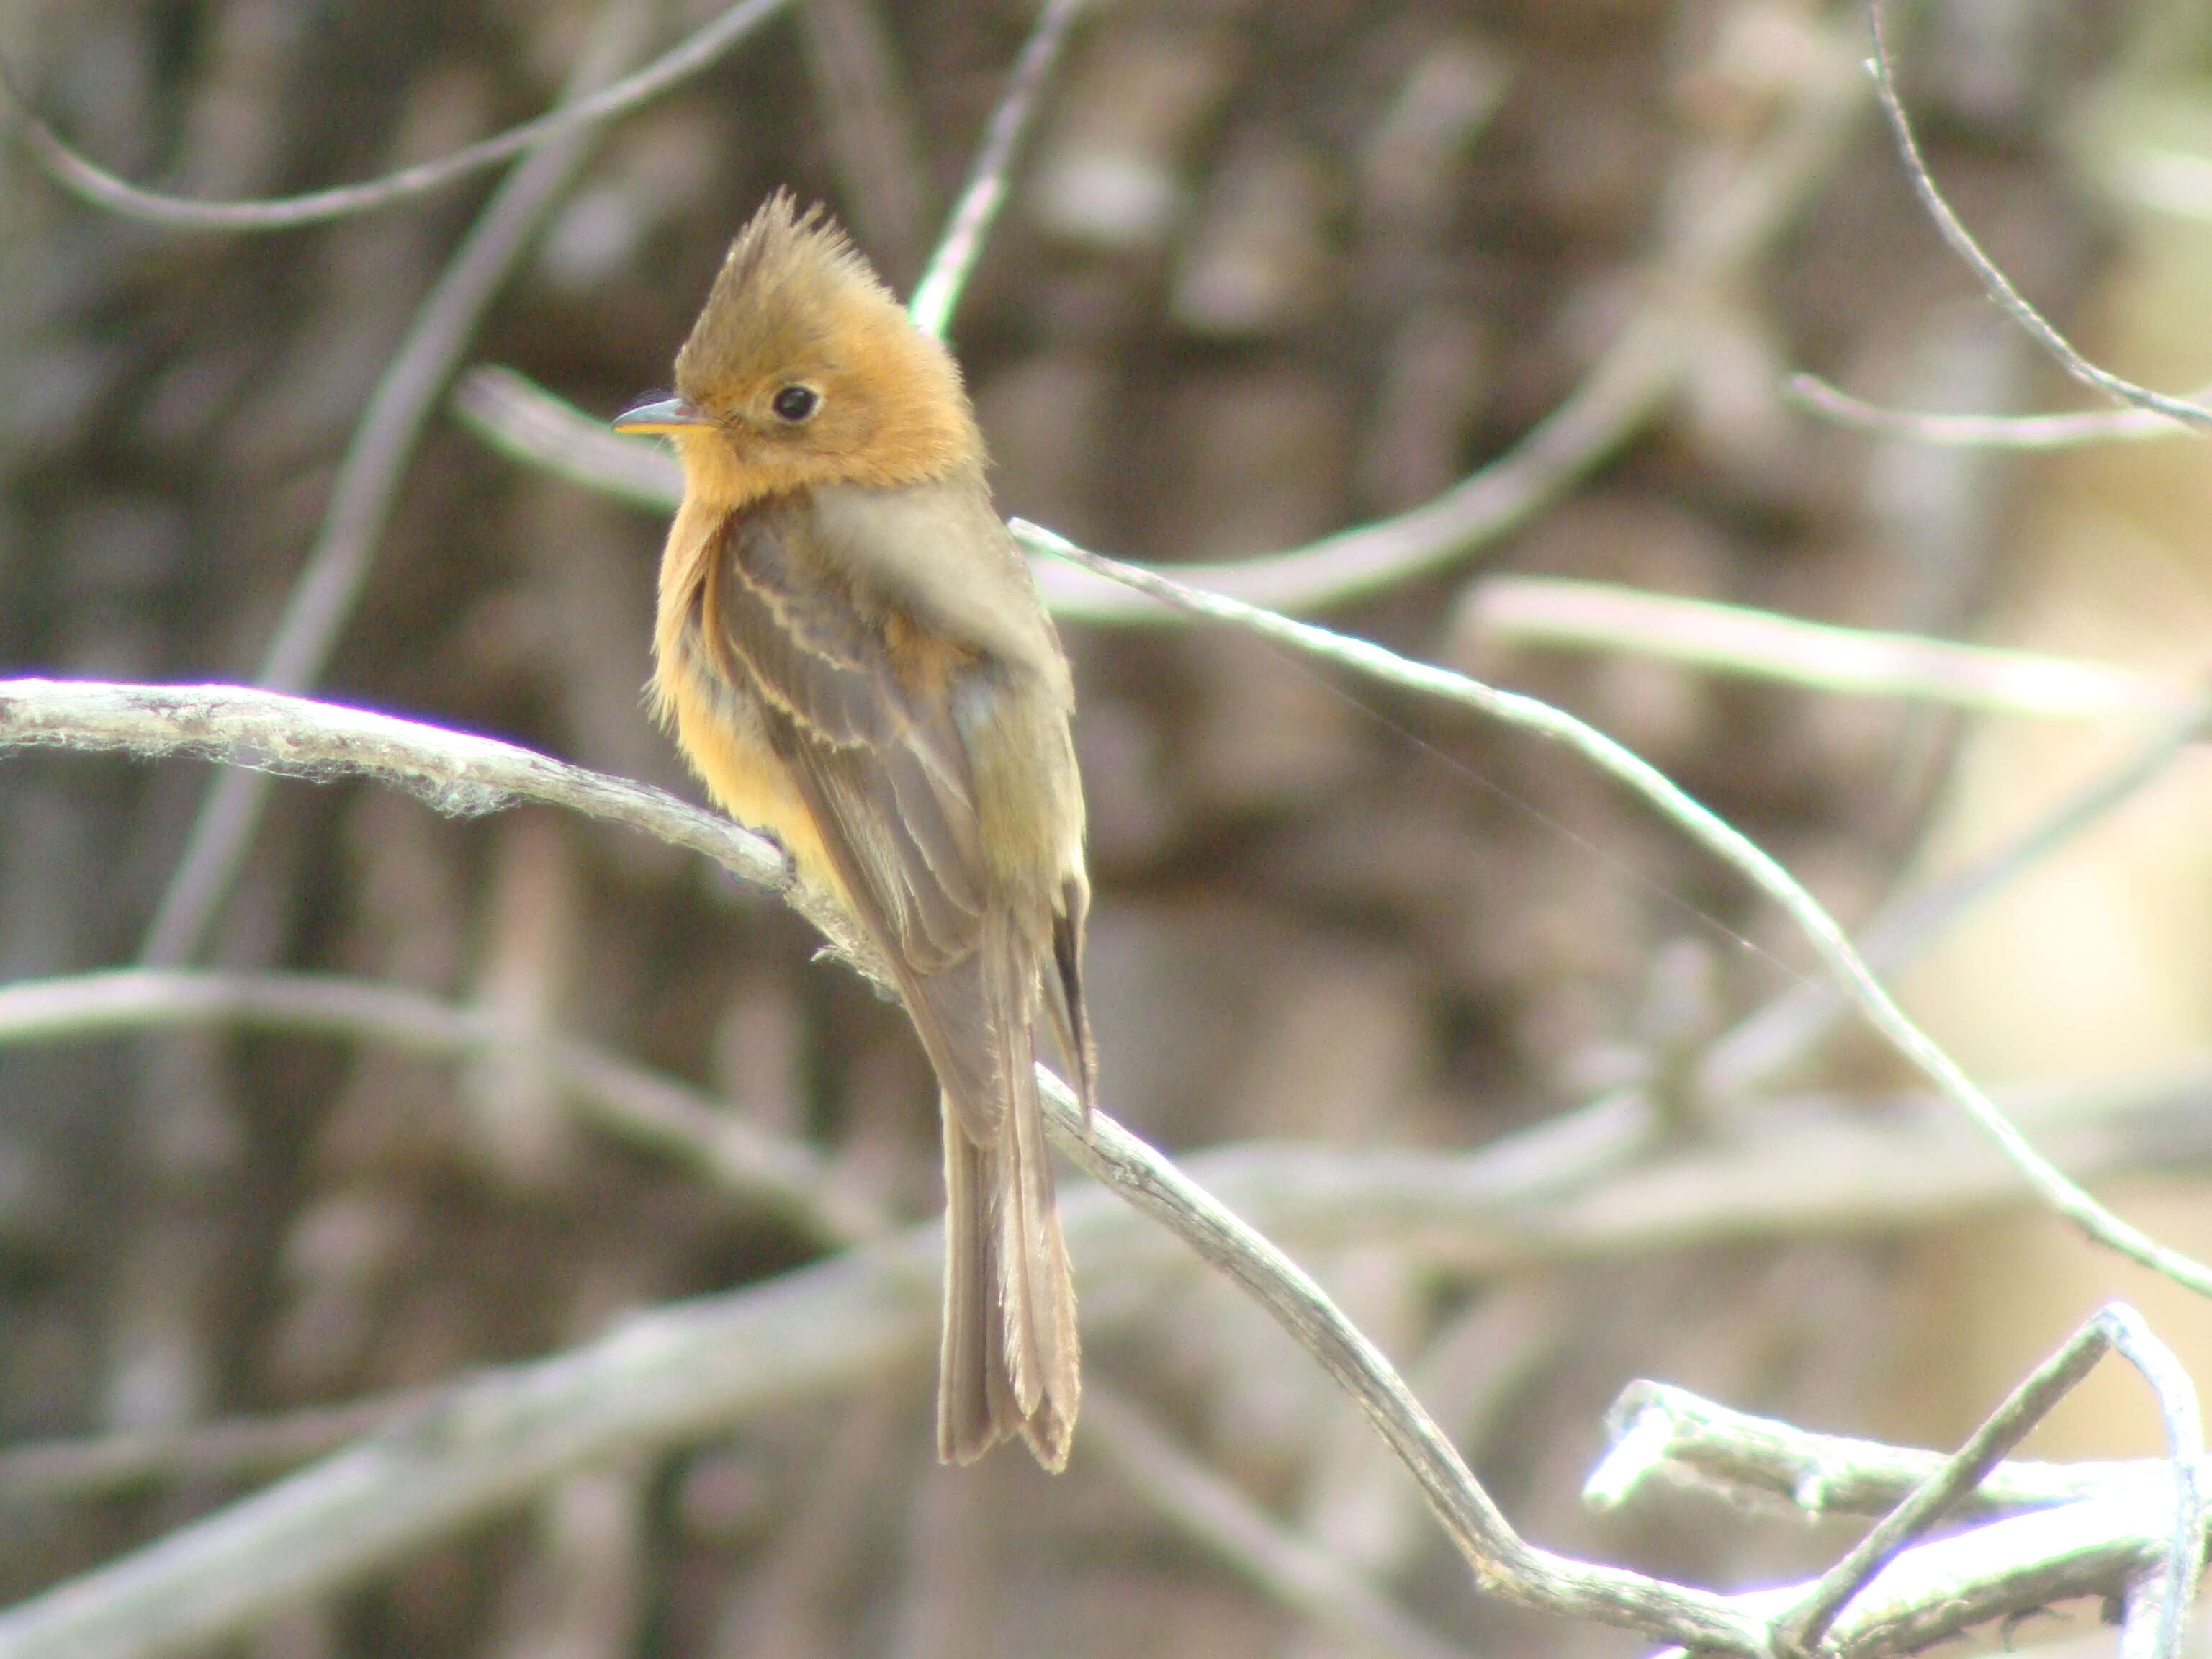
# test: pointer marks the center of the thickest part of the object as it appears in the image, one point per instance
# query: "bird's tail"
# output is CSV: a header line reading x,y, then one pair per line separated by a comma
x,y
1010,1361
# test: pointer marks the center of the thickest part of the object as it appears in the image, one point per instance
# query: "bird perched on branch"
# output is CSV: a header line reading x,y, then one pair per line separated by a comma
x,y
850,653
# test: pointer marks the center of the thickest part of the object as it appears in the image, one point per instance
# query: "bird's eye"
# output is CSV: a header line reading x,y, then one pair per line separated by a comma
x,y
795,402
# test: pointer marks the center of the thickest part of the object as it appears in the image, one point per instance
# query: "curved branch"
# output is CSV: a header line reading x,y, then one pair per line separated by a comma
x,y
1710,830
455,773
93,184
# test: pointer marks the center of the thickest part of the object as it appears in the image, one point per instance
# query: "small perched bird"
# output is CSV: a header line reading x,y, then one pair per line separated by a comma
x,y
850,653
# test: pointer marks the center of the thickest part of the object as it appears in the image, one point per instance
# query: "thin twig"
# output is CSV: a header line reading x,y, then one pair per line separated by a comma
x,y
1629,382
1291,1569
2005,432
1659,1430
324,594
938,292
93,184
1716,834
2184,1420
45,1472
1800,1629
520,419
642,1106
1778,1036
1819,656
1995,283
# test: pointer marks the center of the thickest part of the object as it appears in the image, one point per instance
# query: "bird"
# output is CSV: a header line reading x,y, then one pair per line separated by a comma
x,y
850,652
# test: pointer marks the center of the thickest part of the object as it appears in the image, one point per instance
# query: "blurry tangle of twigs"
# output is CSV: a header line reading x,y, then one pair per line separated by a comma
x,y
1607,1182
494,1441
92,183
1630,380
324,594
644,1107
684,1372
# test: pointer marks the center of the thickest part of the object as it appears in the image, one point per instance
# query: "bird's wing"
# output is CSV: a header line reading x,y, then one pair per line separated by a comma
x,y
879,760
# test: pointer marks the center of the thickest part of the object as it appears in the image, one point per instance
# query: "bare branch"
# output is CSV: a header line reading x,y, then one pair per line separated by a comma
x,y
1771,1040
642,1106
985,192
1995,283
1716,835
294,737
91,183
1671,1434
2178,1409
2007,432
2093,1530
1800,1629
1818,656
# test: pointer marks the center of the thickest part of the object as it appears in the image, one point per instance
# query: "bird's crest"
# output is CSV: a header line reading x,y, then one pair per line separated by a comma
x,y
790,276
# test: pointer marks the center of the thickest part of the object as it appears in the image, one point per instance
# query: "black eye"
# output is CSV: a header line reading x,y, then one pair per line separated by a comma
x,y
795,402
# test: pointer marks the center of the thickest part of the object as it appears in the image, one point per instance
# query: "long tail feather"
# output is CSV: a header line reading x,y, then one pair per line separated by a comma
x,y
1012,1361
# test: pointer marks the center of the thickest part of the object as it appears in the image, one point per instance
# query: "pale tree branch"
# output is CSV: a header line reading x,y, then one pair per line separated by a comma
x,y
457,773
2075,1540
1732,639
2002,432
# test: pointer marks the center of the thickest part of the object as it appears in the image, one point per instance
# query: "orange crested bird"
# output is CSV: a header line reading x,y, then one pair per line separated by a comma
x,y
850,653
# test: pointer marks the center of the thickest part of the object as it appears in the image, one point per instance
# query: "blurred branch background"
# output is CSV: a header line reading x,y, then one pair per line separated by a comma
x,y
1518,284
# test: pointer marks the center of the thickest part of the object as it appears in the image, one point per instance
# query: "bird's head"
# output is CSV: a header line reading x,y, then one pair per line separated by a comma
x,y
804,370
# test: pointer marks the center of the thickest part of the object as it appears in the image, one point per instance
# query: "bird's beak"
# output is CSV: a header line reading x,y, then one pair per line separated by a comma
x,y
666,415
